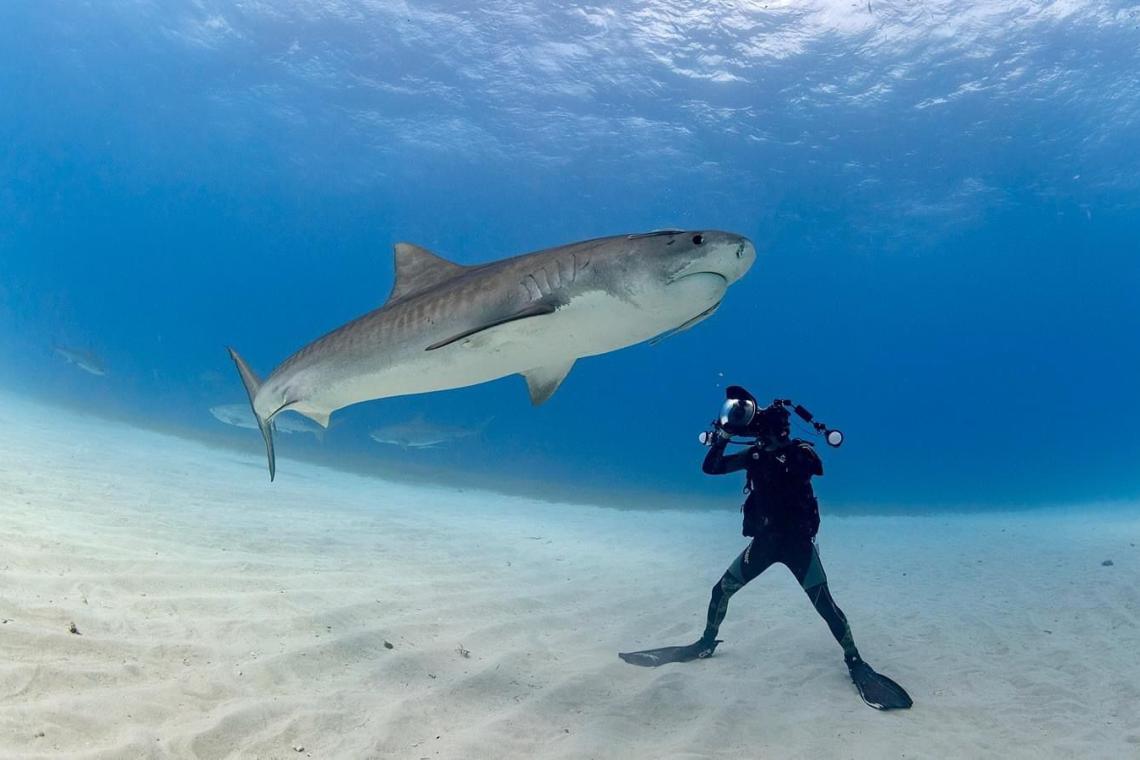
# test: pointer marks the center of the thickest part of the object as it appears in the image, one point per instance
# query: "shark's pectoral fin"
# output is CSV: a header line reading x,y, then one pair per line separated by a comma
x,y
534,310
685,325
543,381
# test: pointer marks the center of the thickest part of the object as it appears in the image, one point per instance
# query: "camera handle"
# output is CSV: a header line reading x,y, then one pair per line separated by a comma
x,y
834,438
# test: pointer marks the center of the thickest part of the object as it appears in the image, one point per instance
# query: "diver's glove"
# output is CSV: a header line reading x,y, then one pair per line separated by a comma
x,y
719,435
716,437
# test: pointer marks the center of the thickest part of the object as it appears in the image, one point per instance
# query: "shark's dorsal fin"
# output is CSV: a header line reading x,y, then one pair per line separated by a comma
x,y
419,269
543,381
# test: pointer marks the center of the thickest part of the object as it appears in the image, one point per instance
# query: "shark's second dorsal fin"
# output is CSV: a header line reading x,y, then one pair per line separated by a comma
x,y
419,269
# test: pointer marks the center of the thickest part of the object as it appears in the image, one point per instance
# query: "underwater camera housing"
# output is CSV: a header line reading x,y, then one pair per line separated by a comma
x,y
742,416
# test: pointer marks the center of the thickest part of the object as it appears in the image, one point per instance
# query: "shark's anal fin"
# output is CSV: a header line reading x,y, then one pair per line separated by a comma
x,y
543,381
419,269
534,310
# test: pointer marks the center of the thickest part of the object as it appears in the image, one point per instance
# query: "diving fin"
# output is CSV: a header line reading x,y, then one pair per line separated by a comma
x,y
651,658
877,690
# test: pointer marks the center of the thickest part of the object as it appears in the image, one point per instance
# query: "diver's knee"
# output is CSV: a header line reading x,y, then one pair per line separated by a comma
x,y
728,585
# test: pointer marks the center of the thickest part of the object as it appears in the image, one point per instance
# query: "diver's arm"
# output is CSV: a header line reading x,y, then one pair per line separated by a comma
x,y
807,461
716,463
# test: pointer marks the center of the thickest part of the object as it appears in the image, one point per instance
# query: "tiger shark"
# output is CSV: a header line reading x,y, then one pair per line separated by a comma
x,y
418,433
446,325
86,360
239,415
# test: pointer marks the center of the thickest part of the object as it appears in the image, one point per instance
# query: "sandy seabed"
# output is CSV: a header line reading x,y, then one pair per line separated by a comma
x,y
330,615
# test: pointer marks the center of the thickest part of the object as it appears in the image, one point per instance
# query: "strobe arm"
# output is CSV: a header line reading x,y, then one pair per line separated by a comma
x,y
833,437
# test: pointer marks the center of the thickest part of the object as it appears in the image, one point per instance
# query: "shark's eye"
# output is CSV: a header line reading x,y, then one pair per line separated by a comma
x,y
698,239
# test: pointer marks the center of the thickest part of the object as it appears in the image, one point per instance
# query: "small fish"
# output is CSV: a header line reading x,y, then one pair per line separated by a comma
x,y
88,361
420,434
240,415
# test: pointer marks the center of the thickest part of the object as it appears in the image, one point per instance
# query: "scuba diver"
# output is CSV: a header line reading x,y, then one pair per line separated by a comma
x,y
781,516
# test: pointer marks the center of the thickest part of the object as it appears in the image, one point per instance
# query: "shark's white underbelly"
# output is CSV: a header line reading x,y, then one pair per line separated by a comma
x,y
592,323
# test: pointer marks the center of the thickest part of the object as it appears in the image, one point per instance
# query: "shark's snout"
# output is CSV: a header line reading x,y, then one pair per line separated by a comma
x,y
720,253
738,256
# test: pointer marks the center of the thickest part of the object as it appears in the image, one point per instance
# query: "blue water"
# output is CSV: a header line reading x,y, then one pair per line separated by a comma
x,y
945,201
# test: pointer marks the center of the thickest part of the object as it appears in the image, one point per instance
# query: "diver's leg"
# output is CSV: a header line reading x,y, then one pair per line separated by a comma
x,y
877,690
803,560
755,559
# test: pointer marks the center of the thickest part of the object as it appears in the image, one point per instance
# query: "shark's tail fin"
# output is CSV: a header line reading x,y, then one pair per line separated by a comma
x,y
252,383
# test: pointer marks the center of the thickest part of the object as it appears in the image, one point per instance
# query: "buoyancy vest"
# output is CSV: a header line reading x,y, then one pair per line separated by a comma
x,y
780,495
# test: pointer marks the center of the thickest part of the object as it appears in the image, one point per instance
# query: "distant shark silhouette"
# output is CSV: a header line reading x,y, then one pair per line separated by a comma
x,y
418,433
86,360
449,326
240,415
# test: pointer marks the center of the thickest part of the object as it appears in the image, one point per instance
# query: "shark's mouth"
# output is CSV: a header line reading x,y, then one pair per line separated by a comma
x,y
683,275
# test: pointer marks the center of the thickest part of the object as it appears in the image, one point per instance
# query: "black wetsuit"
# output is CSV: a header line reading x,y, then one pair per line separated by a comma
x,y
782,517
